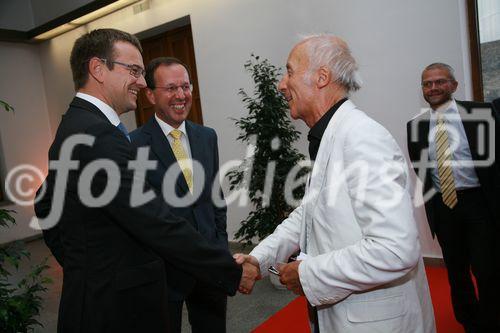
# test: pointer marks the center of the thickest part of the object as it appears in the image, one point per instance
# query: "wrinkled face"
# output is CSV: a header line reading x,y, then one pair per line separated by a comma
x,y
171,97
437,86
296,84
120,87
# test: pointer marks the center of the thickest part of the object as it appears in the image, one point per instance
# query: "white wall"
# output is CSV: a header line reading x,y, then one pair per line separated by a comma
x,y
25,134
392,39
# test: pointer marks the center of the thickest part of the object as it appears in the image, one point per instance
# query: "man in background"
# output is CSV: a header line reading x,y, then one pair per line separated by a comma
x,y
465,208
113,254
175,143
363,271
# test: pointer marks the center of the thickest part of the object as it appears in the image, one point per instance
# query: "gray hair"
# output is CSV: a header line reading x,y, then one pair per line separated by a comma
x,y
441,65
333,52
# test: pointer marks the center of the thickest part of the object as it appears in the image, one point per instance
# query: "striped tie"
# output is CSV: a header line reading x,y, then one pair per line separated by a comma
x,y
445,172
182,158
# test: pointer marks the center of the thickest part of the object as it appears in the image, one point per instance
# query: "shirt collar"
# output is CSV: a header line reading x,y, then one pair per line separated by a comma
x,y
105,108
166,128
447,108
319,128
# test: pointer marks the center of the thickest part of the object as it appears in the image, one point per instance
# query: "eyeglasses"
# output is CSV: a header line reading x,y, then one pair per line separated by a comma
x,y
172,88
438,83
135,70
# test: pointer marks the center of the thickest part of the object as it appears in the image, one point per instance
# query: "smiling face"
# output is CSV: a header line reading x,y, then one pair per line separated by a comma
x,y
438,86
120,87
296,84
171,107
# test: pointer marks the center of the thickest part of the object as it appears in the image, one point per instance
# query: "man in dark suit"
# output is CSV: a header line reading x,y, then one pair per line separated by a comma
x,y
169,91
443,143
496,104
112,249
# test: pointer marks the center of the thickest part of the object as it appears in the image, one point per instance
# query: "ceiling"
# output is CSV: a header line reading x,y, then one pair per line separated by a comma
x,y
26,20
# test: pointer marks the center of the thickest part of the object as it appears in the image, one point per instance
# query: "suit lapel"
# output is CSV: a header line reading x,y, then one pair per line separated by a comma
x,y
319,169
162,149
196,145
80,103
470,129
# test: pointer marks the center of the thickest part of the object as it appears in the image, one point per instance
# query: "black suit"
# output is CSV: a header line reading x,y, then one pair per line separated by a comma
x,y
496,105
465,232
205,216
113,257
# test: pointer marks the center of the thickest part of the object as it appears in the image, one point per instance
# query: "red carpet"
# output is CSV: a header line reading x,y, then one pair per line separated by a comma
x,y
293,317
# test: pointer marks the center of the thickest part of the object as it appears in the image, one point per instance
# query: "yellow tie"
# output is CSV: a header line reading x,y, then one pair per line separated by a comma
x,y
445,172
182,158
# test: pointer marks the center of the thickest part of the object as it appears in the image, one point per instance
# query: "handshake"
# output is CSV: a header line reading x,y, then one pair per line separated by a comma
x,y
288,274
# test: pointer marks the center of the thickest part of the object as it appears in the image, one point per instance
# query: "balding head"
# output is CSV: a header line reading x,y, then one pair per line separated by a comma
x,y
334,53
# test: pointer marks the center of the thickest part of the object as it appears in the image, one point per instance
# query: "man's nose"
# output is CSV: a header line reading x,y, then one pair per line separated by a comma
x,y
282,85
180,92
141,82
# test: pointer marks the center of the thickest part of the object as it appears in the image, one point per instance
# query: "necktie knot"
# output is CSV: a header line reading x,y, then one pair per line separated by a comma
x,y
122,128
176,134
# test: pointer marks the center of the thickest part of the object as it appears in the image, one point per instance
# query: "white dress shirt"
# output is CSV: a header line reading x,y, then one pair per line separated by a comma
x,y
463,171
105,108
166,128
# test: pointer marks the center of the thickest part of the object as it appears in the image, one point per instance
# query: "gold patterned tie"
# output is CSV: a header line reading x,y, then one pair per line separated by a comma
x,y
443,156
182,158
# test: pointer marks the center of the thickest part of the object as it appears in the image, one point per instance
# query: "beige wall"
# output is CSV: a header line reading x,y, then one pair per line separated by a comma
x,y
25,134
392,39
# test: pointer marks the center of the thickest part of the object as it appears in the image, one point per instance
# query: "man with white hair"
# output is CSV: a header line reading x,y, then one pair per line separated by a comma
x,y
362,271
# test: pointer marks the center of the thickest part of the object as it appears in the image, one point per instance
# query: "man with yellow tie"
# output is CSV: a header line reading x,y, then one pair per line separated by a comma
x,y
178,146
453,142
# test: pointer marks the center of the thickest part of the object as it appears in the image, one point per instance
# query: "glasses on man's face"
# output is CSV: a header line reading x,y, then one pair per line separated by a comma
x,y
438,83
171,89
135,70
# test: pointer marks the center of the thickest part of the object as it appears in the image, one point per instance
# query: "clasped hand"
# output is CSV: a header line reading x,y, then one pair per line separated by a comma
x,y
251,272
289,274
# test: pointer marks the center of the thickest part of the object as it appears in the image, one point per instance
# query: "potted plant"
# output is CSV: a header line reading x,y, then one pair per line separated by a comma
x,y
20,303
269,125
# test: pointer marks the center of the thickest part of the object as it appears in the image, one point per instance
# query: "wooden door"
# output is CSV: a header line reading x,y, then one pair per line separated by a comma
x,y
176,43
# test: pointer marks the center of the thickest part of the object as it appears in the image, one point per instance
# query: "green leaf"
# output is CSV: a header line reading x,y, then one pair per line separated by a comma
x,y
6,106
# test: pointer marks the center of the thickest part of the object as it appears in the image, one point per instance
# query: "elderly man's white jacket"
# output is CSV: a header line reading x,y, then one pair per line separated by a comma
x,y
364,271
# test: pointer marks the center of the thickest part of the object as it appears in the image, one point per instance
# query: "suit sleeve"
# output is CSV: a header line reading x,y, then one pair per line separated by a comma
x,y
281,244
220,212
376,178
43,207
52,236
153,223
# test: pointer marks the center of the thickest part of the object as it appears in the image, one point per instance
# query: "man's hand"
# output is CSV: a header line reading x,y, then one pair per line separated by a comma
x,y
289,276
251,272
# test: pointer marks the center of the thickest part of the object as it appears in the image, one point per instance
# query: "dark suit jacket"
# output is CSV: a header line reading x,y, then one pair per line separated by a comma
x,y
203,214
489,176
496,104
113,257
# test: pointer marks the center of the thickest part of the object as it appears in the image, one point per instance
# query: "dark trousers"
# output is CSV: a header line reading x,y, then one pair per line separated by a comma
x,y
206,311
465,234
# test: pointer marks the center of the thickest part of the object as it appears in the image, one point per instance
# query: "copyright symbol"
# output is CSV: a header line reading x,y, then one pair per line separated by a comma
x,y
20,184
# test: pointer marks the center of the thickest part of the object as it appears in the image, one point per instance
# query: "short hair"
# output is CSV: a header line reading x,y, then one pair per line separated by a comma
x,y
157,62
97,43
441,65
333,52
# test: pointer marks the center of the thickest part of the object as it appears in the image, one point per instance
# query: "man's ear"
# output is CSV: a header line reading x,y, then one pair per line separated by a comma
x,y
324,77
150,96
454,85
96,69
